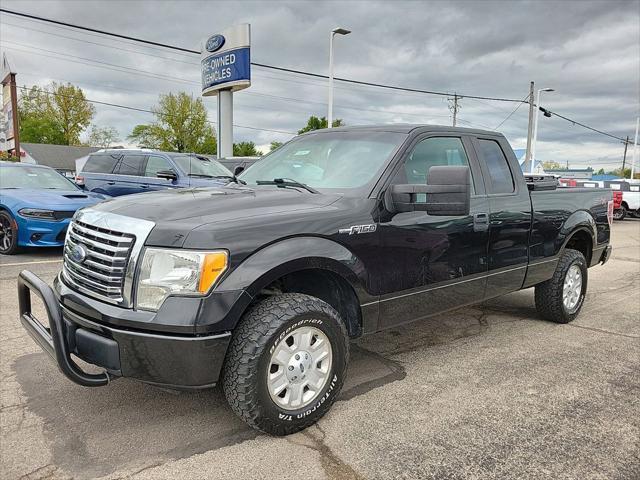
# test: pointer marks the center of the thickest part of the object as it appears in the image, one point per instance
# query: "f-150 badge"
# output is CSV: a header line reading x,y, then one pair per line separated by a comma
x,y
356,229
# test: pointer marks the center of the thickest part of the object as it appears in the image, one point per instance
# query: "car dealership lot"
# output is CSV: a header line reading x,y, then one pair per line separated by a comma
x,y
482,392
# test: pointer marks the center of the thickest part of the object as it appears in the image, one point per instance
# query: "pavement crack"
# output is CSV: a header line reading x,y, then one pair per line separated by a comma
x,y
601,330
332,465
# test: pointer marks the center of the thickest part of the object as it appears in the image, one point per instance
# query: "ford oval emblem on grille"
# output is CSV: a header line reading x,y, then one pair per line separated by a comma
x,y
78,253
214,43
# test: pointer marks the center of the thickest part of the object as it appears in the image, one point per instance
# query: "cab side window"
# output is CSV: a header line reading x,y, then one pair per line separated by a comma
x,y
100,164
500,176
156,164
431,152
130,165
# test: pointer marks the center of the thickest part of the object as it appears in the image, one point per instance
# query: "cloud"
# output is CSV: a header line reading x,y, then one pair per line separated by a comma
x,y
588,51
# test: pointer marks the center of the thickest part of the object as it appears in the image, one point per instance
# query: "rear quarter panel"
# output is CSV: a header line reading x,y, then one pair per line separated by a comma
x,y
557,215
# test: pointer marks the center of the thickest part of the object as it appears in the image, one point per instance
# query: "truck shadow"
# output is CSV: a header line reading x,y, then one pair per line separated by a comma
x,y
127,424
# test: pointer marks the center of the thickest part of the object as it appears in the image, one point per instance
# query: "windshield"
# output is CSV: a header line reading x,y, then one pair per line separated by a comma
x,y
200,166
329,160
33,177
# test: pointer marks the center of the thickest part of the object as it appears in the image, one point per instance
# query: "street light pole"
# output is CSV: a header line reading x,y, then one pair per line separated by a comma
x,y
535,127
339,31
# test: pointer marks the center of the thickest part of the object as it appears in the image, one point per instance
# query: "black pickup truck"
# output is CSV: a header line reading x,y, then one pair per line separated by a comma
x,y
339,233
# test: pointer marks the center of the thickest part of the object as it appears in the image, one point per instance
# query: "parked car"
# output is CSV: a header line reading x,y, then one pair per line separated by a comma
x,y
116,172
619,212
233,162
630,195
36,205
619,206
339,233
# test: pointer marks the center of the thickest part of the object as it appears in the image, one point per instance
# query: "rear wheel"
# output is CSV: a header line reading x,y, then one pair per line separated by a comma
x,y
619,213
286,363
560,298
8,234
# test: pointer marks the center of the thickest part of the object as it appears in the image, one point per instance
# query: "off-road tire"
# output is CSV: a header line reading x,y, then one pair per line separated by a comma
x,y
548,295
6,218
244,378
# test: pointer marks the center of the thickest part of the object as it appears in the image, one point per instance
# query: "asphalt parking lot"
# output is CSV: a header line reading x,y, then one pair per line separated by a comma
x,y
482,392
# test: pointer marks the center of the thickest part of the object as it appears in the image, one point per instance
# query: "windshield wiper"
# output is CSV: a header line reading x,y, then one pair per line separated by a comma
x,y
287,182
203,175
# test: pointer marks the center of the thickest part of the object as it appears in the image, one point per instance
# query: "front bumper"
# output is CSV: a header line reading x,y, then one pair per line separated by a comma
x,y
41,233
174,361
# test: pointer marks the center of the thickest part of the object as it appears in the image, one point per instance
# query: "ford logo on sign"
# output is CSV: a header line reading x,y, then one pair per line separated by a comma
x,y
214,43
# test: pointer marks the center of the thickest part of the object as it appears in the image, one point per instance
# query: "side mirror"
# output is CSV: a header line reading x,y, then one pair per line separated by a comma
x,y
238,170
447,193
167,174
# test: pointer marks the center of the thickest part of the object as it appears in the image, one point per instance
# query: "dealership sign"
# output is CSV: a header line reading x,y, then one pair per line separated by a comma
x,y
225,60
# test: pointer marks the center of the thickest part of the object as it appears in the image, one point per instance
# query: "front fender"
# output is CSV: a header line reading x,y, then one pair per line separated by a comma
x,y
295,254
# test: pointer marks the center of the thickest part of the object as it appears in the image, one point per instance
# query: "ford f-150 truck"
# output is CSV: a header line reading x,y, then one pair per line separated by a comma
x,y
260,284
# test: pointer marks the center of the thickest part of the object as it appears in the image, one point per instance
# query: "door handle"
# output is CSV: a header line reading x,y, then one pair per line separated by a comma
x,y
111,183
480,222
144,186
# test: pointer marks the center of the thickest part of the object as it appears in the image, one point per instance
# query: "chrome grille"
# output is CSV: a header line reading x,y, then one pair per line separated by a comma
x,y
102,272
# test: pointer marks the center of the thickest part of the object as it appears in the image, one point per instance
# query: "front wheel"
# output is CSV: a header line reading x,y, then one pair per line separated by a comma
x,y
560,298
286,363
8,234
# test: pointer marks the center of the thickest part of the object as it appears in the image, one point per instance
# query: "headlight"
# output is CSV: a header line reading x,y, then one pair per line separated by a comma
x,y
37,213
165,272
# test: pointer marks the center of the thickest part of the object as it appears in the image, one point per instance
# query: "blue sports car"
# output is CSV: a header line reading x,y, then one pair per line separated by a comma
x,y
36,205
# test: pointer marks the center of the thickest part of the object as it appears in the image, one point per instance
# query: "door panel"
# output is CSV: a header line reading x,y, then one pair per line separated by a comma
x,y
153,165
510,216
435,263
128,178
438,263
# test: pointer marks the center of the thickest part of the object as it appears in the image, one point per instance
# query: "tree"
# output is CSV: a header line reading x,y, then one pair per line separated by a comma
x,y
245,149
315,123
37,123
274,146
103,137
57,114
601,171
73,111
550,165
180,126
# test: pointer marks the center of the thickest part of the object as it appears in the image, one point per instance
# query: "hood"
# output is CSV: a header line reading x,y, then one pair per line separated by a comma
x,y
199,206
52,199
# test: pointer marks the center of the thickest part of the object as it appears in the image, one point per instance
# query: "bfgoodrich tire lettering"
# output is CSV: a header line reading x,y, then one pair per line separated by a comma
x,y
249,359
549,294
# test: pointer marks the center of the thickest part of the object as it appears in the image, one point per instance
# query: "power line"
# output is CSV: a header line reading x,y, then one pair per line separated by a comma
x,y
511,114
262,65
167,77
575,122
136,109
289,70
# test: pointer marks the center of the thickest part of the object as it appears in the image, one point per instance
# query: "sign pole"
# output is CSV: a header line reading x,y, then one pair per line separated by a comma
x,y
226,68
225,123
635,151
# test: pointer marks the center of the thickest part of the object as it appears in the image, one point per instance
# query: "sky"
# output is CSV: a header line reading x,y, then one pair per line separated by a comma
x,y
588,51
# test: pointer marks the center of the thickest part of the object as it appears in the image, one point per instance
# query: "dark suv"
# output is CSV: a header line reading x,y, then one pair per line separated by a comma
x,y
116,172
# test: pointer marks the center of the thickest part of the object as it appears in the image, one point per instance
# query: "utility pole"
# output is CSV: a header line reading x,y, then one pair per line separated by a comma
x,y
526,167
454,108
635,150
624,157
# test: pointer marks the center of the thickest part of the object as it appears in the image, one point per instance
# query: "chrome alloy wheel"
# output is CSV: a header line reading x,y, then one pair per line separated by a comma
x,y
572,289
299,368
